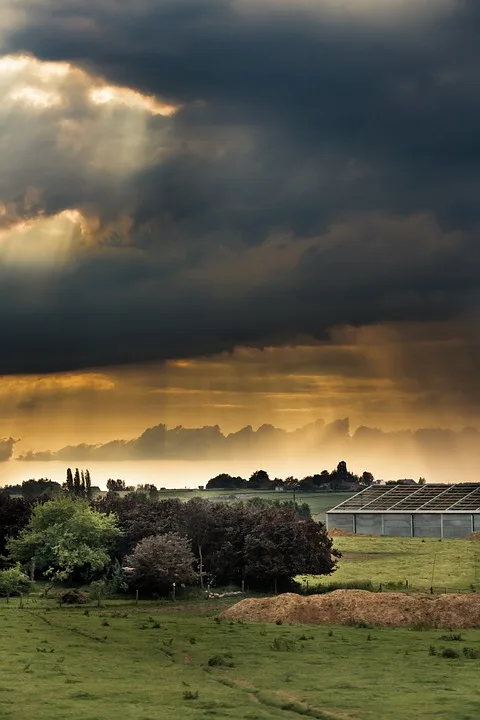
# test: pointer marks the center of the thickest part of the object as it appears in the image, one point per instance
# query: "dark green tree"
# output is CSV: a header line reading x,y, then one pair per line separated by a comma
x,y
64,536
77,486
14,516
38,489
116,485
69,483
226,482
88,485
259,480
366,479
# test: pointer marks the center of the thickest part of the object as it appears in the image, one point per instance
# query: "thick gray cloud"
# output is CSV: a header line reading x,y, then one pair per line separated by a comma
x,y
323,170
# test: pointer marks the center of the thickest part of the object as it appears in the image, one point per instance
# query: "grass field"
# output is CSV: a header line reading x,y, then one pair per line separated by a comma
x,y
149,663
319,502
446,564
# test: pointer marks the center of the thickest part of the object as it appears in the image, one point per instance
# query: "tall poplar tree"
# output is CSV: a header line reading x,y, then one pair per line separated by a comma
x,y
77,488
88,485
70,482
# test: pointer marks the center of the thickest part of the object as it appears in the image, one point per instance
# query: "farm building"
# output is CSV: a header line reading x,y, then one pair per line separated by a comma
x,y
443,511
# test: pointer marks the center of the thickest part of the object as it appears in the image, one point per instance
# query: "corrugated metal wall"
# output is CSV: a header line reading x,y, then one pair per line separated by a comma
x,y
368,523
424,525
340,521
456,526
399,525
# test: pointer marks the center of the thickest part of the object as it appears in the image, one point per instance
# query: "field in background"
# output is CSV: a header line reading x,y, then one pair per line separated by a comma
x,y
451,565
178,662
319,502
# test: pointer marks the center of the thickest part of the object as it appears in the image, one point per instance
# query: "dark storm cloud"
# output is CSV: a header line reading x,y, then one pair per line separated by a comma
x,y
320,172
372,116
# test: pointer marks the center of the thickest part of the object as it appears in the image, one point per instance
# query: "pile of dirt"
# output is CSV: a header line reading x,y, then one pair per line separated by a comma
x,y
343,607
336,532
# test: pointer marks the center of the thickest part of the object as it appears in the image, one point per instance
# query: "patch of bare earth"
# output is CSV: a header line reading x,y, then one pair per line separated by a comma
x,y
351,606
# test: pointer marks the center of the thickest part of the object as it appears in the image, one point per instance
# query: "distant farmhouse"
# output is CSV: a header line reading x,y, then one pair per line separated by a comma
x,y
439,511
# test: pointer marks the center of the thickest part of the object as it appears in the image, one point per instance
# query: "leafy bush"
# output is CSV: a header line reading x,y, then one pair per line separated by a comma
x,y
450,653
471,653
220,661
98,591
190,695
282,644
14,582
453,637
353,622
74,597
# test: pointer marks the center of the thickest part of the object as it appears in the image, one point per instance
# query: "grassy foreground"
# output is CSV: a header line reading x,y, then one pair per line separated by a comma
x,y
451,565
149,663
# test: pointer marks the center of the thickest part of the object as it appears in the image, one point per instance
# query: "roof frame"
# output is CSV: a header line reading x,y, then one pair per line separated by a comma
x,y
467,490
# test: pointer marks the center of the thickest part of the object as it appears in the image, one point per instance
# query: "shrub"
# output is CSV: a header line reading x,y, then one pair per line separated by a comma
x,y
98,591
450,653
14,582
220,661
283,645
353,622
74,597
453,637
421,626
190,695
471,653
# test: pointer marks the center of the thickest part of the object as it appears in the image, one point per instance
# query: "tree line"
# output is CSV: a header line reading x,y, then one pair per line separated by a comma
x,y
142,545
78,484
339,479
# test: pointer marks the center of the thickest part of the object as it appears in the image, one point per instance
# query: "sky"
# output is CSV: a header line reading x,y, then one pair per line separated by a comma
x,y
231,213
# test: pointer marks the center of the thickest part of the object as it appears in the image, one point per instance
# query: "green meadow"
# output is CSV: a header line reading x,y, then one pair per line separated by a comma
x,y
451,565
319,502
178,662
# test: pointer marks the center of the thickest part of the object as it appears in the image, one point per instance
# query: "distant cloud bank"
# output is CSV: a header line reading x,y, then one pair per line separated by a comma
x,y
446,453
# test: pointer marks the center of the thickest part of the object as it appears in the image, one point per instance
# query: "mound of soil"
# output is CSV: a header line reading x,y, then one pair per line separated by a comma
x,y
343,607
335,532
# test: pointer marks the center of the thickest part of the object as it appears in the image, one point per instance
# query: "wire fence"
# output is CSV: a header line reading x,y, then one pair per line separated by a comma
x,y
309,588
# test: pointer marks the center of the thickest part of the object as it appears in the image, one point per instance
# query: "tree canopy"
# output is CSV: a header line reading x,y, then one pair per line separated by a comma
x,y
65,535
159,561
